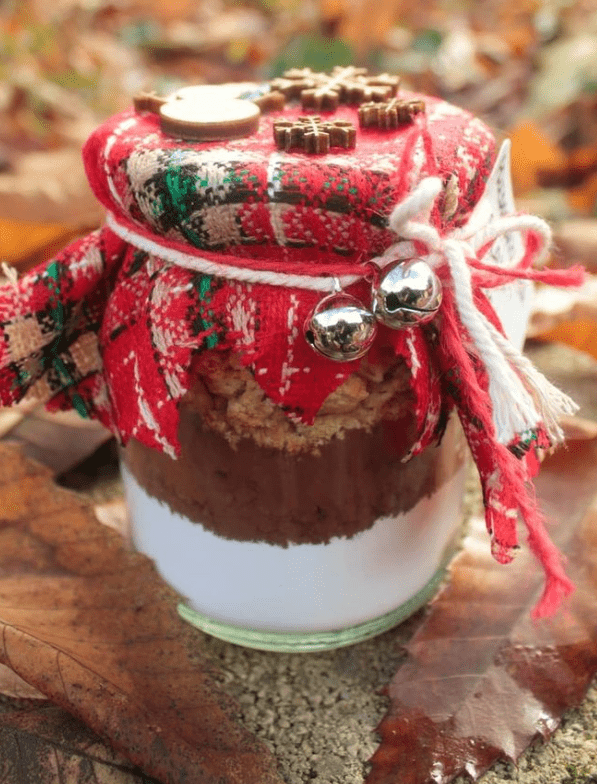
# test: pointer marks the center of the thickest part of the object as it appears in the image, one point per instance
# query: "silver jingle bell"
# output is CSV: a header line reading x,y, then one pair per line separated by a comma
x,y
408,293
340,328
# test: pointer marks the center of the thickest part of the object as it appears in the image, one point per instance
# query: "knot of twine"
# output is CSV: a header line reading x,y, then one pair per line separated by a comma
x,y
522,398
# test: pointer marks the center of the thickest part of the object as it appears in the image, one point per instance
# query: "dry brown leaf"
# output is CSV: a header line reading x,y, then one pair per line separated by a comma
x,y
552,307
566,316
482,679
533,153
576,242
583,197
363,24
13,686
24,244
581,335
113,514
94,628
51,186
60,440
45,744
578,429
11,417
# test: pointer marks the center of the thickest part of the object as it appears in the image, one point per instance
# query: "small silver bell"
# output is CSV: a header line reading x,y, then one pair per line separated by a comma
x,y
340,328
408,293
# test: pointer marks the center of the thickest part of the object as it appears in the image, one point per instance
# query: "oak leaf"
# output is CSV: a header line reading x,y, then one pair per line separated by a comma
x,y
92,626
482,680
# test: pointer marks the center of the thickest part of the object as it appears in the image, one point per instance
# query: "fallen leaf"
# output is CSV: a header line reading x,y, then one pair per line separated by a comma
x,y
576,242
583,197
60,440
46,744
25,243
52,186
13,686
482,680
364,26
533,156
578,429
11,417
566,316
581,335
93,627
519,36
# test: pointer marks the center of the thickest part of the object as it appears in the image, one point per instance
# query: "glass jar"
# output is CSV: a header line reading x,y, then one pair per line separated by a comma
x,y
286,548
281,548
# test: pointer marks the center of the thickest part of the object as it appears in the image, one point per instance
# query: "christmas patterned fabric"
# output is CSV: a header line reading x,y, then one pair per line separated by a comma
x,y
230,245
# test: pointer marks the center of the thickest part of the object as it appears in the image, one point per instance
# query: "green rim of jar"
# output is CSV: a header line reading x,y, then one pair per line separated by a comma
x,y
304,642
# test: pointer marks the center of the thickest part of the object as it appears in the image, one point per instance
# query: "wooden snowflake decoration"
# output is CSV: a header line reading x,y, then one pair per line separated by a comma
x,y
324,92
314,135
389,114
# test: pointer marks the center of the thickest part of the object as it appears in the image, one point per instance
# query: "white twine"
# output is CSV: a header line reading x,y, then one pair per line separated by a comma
x,y
228,271
521,396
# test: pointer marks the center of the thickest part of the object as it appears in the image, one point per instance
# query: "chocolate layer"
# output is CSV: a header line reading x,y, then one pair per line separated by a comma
x,y
256,493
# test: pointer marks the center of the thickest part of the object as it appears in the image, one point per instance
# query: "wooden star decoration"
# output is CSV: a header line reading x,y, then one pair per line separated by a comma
x,y
389,114
324,92
314,135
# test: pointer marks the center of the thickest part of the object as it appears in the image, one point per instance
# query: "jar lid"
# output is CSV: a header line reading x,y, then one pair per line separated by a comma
x,y
246,197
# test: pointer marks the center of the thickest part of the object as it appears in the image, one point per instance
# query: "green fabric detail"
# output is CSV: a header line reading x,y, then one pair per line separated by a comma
x,y
179,188
56,312
205,287
203,284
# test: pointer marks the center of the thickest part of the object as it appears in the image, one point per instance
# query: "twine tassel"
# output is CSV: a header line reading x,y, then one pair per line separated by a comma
x,y
509,495
513,407
551,403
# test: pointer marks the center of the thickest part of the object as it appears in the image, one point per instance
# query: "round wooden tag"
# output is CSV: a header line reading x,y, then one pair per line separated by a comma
x,y
214,92
208,119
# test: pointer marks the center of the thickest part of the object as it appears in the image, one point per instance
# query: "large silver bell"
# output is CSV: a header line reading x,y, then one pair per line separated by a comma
x,y
408,293
340,328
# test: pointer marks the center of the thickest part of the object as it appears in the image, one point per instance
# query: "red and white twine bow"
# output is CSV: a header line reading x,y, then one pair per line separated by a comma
x,y
506,406
522,399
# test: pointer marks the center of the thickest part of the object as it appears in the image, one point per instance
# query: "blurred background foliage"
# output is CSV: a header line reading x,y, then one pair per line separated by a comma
x,y
527,67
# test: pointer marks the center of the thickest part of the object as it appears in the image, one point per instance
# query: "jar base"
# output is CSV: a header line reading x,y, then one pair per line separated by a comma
x,y
313,641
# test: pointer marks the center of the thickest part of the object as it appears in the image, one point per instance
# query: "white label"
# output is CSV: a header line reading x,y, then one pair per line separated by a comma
x,y
512,301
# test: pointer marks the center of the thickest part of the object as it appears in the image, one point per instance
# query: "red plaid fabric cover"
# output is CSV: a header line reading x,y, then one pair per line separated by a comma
x,y
142,320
